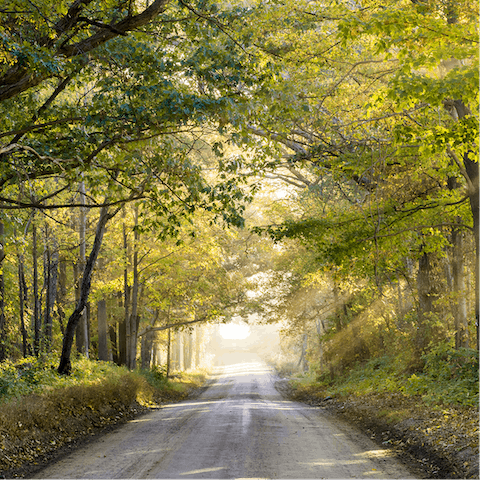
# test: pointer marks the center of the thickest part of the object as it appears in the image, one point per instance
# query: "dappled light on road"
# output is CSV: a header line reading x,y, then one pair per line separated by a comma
x,y
239,427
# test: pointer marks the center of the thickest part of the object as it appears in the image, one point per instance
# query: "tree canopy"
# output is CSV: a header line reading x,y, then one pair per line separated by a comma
x,y
366,111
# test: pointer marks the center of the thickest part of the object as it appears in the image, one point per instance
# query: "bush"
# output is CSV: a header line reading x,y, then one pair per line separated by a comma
x,y
450,376
445,375
41,410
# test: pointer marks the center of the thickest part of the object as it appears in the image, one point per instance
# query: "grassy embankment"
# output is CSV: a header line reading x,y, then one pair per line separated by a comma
x,y
431,413
448,377
41,411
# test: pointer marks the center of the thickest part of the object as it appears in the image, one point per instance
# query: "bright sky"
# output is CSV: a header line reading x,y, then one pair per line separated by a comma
x,y
234,331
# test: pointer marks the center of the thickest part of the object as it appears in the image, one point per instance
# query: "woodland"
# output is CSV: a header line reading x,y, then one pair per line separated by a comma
x,y
168,165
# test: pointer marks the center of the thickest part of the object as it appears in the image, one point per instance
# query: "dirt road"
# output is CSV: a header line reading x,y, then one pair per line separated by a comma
x,y
240,427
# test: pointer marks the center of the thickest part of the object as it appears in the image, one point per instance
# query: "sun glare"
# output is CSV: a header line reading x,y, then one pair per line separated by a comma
x,y
234,331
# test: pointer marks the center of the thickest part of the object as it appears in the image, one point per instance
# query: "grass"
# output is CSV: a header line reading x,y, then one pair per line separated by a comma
x,y
41,411
448,377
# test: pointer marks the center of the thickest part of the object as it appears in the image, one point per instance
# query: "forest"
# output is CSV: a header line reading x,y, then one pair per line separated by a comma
x,y
169,165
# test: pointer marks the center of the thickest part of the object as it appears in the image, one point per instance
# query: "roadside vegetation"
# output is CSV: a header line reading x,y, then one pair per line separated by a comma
x,y
42,412
344,135
429,417
448,377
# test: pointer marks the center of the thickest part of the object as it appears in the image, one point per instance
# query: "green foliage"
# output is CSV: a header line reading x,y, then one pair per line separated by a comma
x,y
450,376
37,374
377,375
156,376
141,94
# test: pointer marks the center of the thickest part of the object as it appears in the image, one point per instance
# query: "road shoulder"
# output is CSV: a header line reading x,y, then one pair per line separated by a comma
x,y
437,443
96,424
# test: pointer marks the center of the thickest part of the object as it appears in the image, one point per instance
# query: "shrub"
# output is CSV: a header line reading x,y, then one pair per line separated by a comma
x,y
42,410
450,376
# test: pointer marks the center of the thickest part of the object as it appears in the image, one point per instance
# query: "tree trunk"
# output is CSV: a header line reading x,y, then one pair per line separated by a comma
x,y
80,332
302,362
425,301
65,365
181,358
22,295
187,350
102,330
198,345
460,306
471,168
134,314
61,292
82,328
169,347
122,335
113,343
146,352
336,304
50,275
126,295
458,110
37,323
3,346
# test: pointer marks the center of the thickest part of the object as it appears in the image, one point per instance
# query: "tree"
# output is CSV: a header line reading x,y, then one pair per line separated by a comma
x,y
65,363
107,91
2,295
449,56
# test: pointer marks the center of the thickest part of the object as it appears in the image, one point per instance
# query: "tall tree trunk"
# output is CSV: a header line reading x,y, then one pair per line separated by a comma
x,y
148,344
471,168
180,358
425,301
80,332
37,322
169,350
122,334
113,343
134,314
61,292
65,365
460,307
126,294
198,345
458,110
22,295
188,350
3,333
50,275
102,330
336,302
82,328
146,352
302,361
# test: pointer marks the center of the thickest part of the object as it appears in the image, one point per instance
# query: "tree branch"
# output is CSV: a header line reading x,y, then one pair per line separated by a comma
x,y
172,325
18,79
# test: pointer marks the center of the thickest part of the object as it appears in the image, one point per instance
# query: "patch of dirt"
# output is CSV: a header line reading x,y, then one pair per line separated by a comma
x,y
439,442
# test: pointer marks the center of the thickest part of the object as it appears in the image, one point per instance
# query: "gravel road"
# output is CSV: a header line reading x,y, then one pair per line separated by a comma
x,y
239,427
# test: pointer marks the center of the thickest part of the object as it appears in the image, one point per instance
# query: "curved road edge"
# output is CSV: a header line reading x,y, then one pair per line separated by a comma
x,y
411,445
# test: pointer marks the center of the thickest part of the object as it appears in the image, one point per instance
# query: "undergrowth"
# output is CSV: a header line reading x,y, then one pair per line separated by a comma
x,y
448,377
41,410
